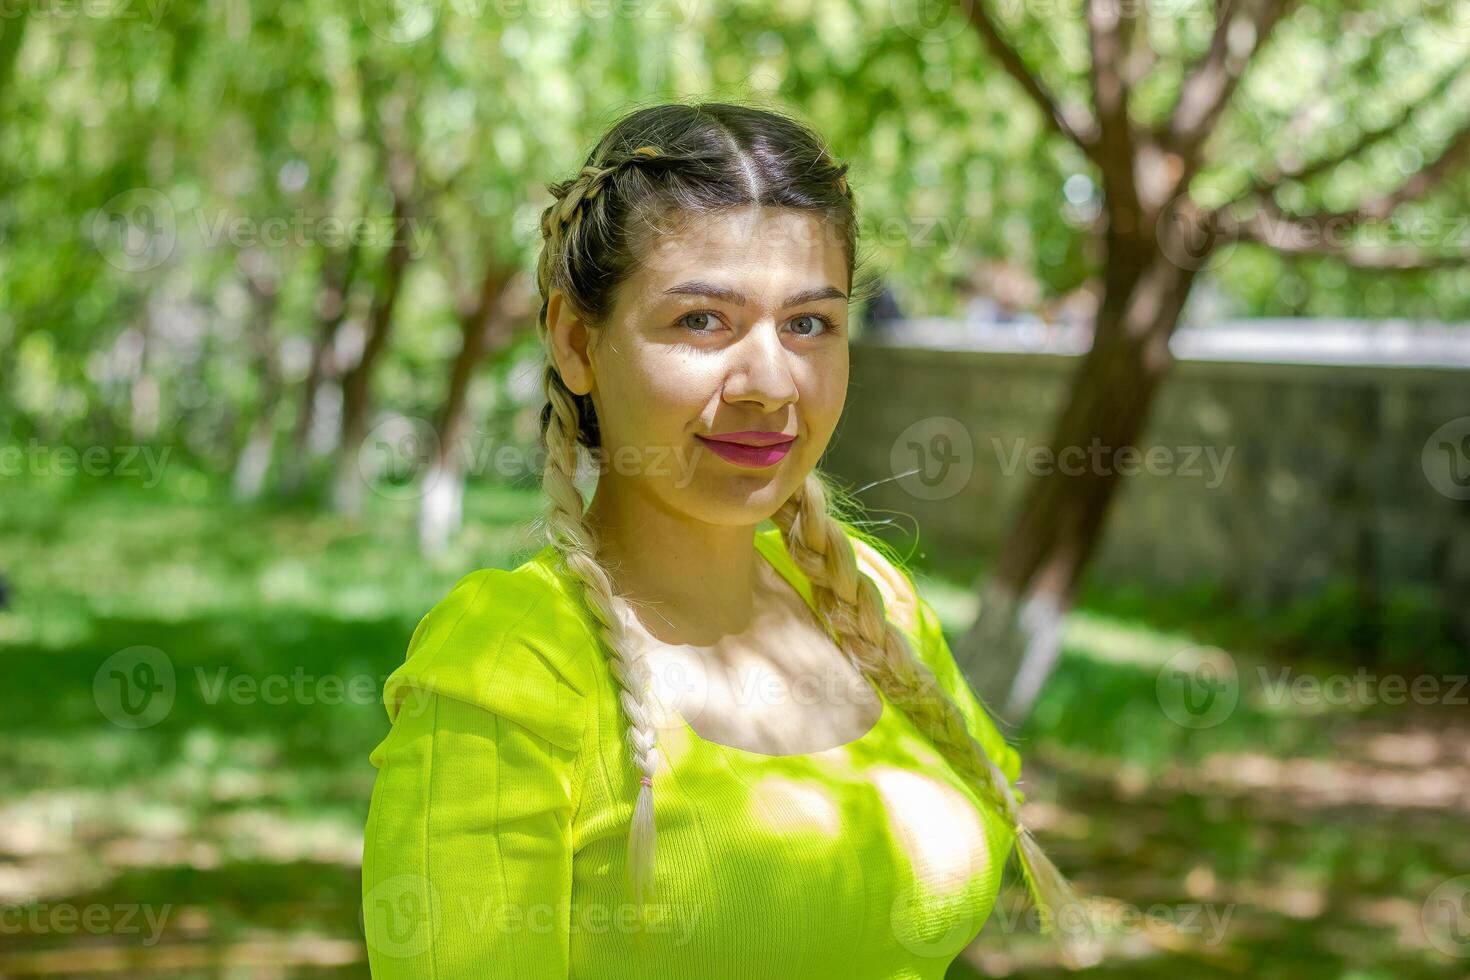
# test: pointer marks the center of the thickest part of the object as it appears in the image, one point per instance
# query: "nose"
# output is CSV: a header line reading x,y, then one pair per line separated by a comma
x,y
760,369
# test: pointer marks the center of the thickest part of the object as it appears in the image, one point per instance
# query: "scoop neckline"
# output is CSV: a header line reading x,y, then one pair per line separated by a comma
x,y
878,722
763,540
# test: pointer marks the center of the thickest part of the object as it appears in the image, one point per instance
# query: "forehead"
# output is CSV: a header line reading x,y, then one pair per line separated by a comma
x,y
766,252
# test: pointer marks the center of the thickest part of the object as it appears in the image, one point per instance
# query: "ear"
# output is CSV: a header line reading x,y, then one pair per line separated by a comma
x,y
568,334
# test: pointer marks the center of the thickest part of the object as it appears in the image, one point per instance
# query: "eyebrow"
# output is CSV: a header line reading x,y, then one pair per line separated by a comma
x,y
696,288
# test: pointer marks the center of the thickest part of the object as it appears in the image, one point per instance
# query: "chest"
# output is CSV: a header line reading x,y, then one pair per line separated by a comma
x,y
792,692
869,860
781,687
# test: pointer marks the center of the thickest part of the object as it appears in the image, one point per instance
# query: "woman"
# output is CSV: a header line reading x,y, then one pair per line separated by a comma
x,y
777,704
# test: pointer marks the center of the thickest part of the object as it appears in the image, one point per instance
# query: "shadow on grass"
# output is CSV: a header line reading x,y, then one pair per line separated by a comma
x,y
1321,829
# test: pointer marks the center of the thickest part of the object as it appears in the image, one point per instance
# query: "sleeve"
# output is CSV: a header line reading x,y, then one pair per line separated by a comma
x,y
467,854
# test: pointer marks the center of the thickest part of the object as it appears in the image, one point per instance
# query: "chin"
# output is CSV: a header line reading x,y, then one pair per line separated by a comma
x,y
735,501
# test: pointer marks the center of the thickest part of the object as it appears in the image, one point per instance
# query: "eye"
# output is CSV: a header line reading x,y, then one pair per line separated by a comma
x,y
700,321
819,325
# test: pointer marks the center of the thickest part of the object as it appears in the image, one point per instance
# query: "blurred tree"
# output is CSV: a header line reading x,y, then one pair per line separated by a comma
x,y
1159,115
131,148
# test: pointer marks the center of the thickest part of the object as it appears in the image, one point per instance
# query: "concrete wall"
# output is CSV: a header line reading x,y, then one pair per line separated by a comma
x,y
1271,479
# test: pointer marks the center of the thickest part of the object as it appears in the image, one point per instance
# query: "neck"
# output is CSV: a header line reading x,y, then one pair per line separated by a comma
x,y
690,581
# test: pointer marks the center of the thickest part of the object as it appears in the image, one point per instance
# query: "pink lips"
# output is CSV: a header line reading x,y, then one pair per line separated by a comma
x,y
752,449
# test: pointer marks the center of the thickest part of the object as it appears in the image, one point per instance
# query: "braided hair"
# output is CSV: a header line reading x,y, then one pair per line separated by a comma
x,y
700,159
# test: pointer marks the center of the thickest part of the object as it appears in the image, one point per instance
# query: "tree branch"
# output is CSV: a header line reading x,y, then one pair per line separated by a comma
x,y
1298,237
1267,185
1078,127
454,276
1210,84
1420,185
1107,35
1139,56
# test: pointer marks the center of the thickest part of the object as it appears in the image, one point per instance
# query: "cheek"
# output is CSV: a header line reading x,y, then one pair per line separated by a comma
x,y
680,384
825,391
658,392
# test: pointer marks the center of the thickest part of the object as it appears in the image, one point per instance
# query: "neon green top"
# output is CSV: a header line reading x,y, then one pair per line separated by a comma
x,y
497,835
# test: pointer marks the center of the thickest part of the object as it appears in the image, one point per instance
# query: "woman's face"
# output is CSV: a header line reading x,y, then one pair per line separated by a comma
x,y
733,323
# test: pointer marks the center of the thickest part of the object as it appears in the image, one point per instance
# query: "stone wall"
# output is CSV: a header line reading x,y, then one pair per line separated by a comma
x,y
1270,479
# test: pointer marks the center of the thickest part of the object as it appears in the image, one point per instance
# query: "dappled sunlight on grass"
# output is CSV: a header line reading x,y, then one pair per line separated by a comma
x,y
1293,837
1320,824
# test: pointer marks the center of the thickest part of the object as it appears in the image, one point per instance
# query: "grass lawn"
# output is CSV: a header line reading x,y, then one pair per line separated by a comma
x,y
1301,836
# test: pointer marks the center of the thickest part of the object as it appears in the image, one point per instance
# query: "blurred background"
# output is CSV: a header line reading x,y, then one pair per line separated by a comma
x,y
1166,398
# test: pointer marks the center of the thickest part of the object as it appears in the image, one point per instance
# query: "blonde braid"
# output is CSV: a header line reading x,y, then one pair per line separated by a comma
x,y
568,531
851,602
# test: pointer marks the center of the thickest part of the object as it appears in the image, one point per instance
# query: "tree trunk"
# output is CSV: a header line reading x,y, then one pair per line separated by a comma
x,y
339,270
12,34
143,393
483,325
1012,647
347,480
255,458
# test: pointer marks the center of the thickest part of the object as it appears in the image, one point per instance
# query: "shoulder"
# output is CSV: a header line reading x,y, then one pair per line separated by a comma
x,y
901,600
510,641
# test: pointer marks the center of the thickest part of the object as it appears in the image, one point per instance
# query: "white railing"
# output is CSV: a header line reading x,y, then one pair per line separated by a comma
x,y
1284,340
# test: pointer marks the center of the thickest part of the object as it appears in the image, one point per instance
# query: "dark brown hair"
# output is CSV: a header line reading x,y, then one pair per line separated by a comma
x,y
674,162
665,163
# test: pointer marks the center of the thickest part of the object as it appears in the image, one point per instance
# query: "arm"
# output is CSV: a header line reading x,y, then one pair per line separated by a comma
x,y
467,859
467,855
